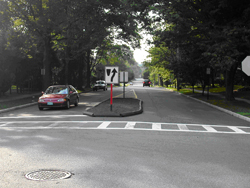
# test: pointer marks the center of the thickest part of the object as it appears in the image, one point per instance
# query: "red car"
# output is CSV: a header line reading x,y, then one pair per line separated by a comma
x,y
58,96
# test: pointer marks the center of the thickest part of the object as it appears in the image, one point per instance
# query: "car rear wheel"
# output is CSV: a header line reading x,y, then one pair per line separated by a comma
x,y
77,101
40,108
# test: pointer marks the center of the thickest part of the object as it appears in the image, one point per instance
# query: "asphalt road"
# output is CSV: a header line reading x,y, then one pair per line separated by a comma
x,y
176,142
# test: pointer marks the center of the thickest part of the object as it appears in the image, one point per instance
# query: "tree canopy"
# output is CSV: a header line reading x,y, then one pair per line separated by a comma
x,y
199,34
68,39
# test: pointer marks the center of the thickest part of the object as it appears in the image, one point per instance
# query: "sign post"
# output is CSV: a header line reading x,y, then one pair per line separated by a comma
x,y
123,79
111,77
111,96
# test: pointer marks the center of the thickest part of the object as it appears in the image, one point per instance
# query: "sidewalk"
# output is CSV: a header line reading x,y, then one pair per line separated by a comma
x,y
13,101
17,96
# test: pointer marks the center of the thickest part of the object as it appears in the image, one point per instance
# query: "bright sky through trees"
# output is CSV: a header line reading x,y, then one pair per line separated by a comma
x,y
141,54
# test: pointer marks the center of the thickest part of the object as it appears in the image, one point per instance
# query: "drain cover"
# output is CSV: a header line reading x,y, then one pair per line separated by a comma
x,y
47,175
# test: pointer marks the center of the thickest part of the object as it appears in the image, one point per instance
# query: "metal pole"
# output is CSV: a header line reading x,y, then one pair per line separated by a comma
x,y
208,73
123,84
111,96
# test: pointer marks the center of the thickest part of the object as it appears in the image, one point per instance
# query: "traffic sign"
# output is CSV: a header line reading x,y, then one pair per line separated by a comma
x,y
123,77
111,75
246,65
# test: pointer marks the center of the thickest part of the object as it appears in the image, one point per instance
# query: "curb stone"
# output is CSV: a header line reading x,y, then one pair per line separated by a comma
x,y
116,115
17,107
217,107
134,112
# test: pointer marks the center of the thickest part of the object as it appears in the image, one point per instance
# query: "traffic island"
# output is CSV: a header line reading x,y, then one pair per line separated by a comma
x,y
121,107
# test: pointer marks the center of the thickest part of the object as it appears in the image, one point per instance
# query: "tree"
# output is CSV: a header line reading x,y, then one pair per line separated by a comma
x,y
67,32
216,29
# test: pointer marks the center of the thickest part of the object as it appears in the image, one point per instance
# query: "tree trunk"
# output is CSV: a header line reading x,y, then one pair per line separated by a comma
x,y
88,69
80,72
230,82
46,63
67,65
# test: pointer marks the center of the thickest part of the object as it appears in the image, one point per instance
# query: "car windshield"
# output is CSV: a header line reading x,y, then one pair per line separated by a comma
x,y
99,82
57,90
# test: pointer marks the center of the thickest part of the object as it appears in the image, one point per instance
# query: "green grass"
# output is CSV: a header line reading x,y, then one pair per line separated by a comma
x,y
3,107
183,91
218,89
244,113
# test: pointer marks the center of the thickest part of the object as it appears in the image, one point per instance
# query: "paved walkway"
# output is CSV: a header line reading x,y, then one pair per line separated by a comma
x,y
16,96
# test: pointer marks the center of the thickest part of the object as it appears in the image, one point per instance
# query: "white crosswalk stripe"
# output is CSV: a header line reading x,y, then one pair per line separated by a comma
x,y
182,127
209,128
153,126
103,125
156,126
236,129
5,124
130,125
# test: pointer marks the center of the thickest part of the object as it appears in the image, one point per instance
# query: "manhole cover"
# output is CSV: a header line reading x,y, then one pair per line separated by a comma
x,y
42,175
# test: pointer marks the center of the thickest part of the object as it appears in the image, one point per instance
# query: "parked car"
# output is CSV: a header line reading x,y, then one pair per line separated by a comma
x,y
58,96
100,84
146,82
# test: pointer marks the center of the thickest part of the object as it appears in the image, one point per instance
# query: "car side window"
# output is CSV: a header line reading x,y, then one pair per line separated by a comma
x,y
72,89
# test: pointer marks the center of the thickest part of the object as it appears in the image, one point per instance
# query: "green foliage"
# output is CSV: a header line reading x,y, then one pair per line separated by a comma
x,y
68,30
211,34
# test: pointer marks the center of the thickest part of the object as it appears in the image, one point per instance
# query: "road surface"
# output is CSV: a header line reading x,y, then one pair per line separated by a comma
x,y
175,142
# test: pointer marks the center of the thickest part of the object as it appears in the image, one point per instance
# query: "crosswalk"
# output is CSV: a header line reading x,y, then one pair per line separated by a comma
x,y
126,125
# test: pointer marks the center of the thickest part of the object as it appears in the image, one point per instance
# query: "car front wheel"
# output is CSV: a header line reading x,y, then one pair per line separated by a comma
x,y
67,104
77,101
40,108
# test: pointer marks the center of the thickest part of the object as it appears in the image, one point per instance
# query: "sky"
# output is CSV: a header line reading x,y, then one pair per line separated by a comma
x,y
141,54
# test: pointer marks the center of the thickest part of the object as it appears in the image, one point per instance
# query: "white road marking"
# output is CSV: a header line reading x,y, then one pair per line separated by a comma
x,y
48,116
156,126
237,130
209,128
53,124
130,125
2,125
82,125
182,127
103,125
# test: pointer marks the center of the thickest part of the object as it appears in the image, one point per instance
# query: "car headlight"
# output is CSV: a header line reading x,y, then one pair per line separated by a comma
x,y
61,100
41,100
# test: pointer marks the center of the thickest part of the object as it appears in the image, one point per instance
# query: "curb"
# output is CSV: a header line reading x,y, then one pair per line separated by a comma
x,y
116,115
217,107
17,107
134,112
